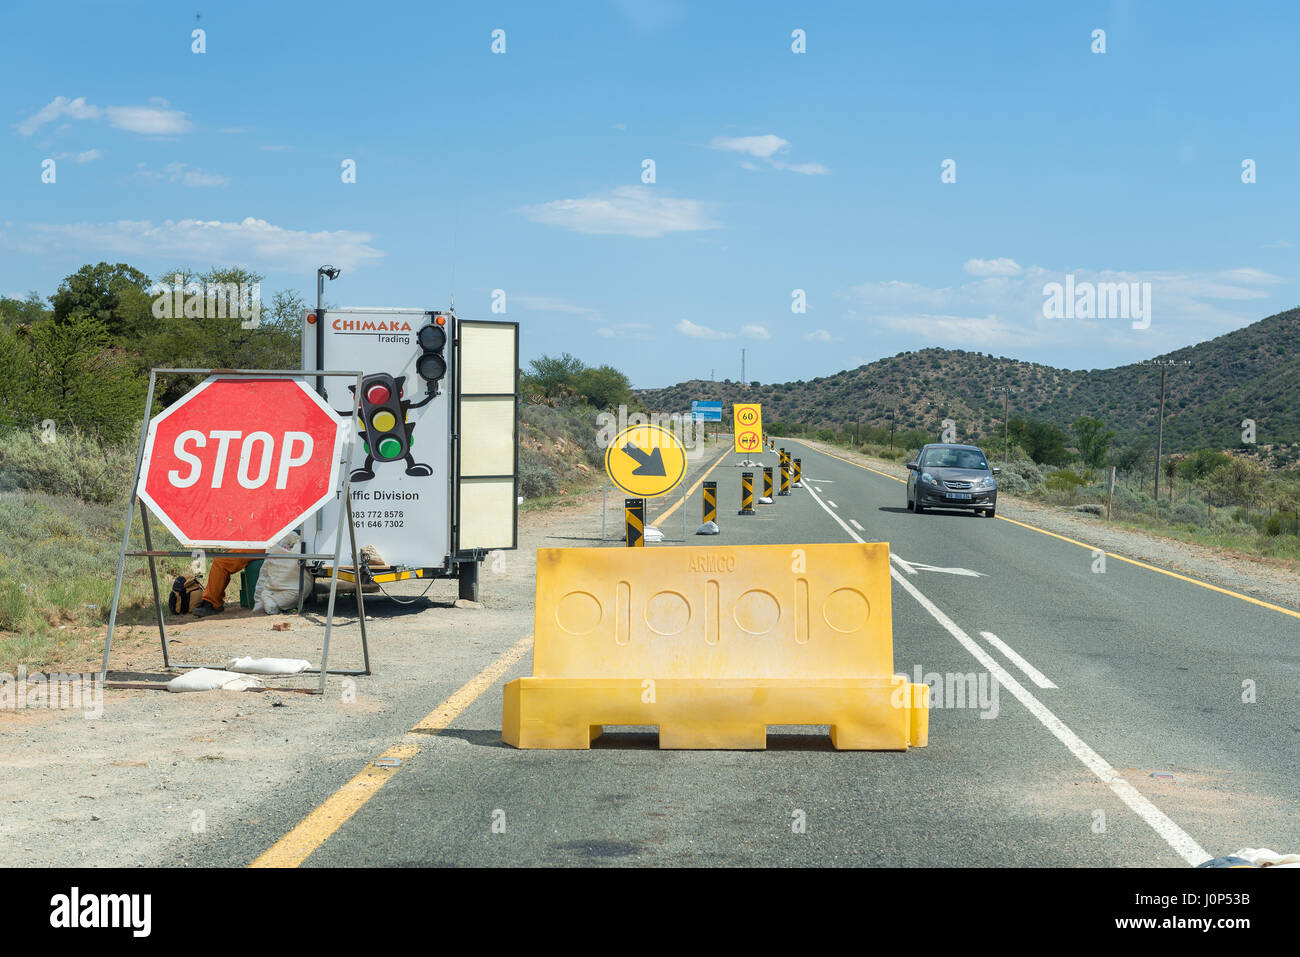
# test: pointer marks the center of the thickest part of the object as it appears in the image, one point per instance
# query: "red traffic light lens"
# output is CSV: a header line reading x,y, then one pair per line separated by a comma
x,y
377,394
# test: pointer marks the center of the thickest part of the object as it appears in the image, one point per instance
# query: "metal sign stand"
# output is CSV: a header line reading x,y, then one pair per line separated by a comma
x,y
345,490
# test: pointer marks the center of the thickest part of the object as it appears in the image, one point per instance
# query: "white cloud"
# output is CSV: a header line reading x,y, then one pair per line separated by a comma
x,y
1007,310
1278,244
820,335
805,169
605,332
547,304
57,108
190,176
763,147
89,156
253,243
992,267
691,330
755,332
643,211
157,118
770,148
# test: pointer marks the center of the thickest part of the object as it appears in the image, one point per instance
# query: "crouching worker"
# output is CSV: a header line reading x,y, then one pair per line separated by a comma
x,y
219,572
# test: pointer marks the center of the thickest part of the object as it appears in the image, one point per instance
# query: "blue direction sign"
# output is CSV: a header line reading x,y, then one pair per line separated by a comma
x,y
706,411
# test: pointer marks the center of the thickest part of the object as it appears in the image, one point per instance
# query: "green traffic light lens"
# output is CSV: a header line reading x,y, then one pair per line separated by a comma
x,y
390,448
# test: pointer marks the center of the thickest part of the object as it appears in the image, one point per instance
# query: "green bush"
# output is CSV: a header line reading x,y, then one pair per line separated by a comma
x,y
536,478
1013,484
73,463
1026,470
1064,480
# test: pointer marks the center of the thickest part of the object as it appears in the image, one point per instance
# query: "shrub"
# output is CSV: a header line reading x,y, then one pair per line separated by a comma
x,y
74,463
1013,484
535,475
1064,480
1026,470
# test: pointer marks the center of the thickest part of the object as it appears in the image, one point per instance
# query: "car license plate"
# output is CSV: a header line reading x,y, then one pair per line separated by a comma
x,y
965,496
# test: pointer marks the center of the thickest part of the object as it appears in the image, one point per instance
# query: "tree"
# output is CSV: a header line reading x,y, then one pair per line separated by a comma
x,y
1094,441
603,387
1201,463
207,339
549,373
1239,482
116,295
1044,442
1134,455
22,312
75,377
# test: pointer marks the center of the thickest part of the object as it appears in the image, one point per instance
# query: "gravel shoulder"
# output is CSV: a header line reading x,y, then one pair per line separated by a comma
x,y
1266,579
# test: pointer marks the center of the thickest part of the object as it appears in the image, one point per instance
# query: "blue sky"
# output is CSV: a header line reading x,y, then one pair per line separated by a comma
x,y
774,170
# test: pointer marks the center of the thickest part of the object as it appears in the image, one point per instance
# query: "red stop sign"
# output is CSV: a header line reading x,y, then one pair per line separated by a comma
x,y
238,462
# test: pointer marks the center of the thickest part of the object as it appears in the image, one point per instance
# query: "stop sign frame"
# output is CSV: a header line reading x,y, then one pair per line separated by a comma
x,y
330,489
341,485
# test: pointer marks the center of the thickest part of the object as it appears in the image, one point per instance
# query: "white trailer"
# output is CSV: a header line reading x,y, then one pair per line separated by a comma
x,y
433,480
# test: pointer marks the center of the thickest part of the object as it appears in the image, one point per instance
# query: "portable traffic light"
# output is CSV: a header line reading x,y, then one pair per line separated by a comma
x,y
432,364
384,431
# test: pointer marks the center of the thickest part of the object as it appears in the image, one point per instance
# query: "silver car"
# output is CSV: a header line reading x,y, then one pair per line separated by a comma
x,y
952,476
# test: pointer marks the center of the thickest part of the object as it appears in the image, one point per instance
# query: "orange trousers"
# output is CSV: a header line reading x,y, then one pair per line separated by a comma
x,y
219,572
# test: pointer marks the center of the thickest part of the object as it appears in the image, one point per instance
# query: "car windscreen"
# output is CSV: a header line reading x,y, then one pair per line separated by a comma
x,y
955,459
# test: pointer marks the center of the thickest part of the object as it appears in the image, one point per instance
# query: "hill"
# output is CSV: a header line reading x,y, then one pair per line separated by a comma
x,y
1250,373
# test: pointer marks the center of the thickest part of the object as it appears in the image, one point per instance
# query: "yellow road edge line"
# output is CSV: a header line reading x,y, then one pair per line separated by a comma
x,y
858,465
317,827
691,491
1093,548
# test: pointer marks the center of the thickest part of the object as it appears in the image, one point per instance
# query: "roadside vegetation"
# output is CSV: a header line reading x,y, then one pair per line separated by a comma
x,y
1220,498
559,400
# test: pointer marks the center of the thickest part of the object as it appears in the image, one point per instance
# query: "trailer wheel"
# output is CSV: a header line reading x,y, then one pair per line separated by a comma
x,y
467,574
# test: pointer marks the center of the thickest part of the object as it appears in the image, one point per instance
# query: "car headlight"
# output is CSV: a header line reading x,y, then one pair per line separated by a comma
x,y
927,477
988,482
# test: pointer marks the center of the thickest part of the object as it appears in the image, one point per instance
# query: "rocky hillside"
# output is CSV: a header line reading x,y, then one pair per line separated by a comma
x,y
1210,388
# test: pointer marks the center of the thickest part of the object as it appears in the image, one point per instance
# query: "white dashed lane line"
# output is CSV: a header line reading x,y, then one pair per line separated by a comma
x,y
854,523
833,505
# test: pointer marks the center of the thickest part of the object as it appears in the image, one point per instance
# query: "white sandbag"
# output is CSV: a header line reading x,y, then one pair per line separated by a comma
x,y
653,534
211,679
268,666
277,585
1267,858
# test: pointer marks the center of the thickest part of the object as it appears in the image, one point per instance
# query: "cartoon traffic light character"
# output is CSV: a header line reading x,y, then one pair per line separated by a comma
x,y
386,434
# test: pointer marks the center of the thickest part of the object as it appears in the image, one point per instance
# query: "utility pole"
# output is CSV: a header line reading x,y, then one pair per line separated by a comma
x,y
1006,401
742,367
1160,434
893,414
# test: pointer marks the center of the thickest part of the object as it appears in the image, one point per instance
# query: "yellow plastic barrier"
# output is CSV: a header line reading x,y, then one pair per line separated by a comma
x,y
712,645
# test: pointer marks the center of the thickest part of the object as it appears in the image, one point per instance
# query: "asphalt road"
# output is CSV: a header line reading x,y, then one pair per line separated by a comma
x,y
1103,679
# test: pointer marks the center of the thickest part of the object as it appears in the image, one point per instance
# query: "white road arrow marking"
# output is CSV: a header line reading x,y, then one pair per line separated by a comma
x,y
912,567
